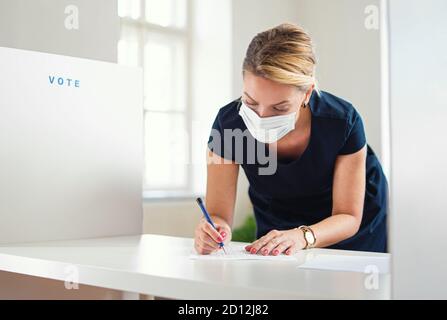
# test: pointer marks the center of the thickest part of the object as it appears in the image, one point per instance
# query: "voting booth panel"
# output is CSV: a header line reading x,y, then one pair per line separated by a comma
x,y
70,148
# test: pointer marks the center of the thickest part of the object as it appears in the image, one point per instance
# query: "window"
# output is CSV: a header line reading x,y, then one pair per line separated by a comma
x,y
155,36
184,48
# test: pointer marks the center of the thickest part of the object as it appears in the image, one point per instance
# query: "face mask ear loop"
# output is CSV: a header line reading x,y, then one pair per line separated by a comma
x,y
239,104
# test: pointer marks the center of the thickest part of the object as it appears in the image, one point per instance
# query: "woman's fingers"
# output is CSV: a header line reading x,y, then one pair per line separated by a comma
x,y
204,243
209,229
207,240
254,247
274,243
258,244
261,242
282,247
225,233
202,248
270,247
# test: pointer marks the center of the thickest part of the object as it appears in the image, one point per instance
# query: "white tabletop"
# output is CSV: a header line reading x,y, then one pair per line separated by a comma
x,y
160,266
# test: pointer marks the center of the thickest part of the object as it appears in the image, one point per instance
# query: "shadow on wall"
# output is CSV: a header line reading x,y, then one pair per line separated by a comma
x,y
17,286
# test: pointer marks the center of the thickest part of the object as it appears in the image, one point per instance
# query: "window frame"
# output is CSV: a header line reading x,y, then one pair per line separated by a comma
x,y
143,28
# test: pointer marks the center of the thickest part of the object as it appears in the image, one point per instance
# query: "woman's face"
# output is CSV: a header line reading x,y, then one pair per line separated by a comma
x,y
268,98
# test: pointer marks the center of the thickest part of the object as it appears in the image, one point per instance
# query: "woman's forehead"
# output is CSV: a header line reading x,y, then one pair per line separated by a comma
x,y
268,92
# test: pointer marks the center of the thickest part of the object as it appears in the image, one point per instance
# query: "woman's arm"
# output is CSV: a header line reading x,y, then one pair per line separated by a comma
x,y
220,201
221,188
348,196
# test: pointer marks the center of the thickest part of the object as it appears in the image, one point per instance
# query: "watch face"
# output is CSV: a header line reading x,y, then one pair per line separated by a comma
x,y
309,238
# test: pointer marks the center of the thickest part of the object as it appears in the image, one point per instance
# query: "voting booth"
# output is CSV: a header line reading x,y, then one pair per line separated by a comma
x,y
70,148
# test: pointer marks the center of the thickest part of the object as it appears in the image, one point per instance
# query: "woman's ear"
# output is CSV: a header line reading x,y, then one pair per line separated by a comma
x,y
309,94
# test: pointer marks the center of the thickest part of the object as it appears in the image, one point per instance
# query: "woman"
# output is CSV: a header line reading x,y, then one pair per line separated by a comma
x,y
327,188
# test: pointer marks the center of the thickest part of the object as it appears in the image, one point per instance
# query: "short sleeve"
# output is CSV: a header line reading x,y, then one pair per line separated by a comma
x,y
355,138
216,142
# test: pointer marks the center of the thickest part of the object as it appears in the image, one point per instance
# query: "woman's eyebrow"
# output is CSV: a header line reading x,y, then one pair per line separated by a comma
x,y
273,105
280,103
250,97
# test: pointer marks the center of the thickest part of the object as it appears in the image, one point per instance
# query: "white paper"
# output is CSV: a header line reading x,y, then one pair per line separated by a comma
x,y
238,252
364,264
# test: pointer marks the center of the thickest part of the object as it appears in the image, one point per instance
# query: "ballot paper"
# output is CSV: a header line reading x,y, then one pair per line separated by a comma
x,y
336,262
238,252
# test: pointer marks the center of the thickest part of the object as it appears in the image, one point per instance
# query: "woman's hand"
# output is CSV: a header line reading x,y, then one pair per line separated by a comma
x,y
207,239
276,242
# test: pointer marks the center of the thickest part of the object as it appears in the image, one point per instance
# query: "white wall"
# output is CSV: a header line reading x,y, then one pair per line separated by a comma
x,y
348,56
40,25
418,45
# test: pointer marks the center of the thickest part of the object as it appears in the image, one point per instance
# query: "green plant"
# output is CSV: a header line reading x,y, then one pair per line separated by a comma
x,y
246,232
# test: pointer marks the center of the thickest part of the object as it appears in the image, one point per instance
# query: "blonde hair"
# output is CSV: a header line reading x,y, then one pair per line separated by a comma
x,y
284,54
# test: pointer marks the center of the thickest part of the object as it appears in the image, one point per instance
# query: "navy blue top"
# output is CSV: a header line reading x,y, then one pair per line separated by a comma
x,y
300,190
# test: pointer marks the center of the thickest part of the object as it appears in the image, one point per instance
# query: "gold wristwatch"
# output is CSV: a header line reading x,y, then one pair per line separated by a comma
x,y
309,236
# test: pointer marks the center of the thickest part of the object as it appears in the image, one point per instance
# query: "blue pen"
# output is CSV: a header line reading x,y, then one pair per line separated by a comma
x,y
208,218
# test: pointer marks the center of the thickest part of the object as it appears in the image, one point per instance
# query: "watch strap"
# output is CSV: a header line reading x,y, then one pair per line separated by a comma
x,y
307,229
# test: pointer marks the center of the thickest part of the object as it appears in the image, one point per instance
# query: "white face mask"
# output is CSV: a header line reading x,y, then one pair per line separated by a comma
x,y
269,129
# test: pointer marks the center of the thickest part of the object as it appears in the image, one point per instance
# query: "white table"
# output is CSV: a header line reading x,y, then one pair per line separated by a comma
x,y
160,266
